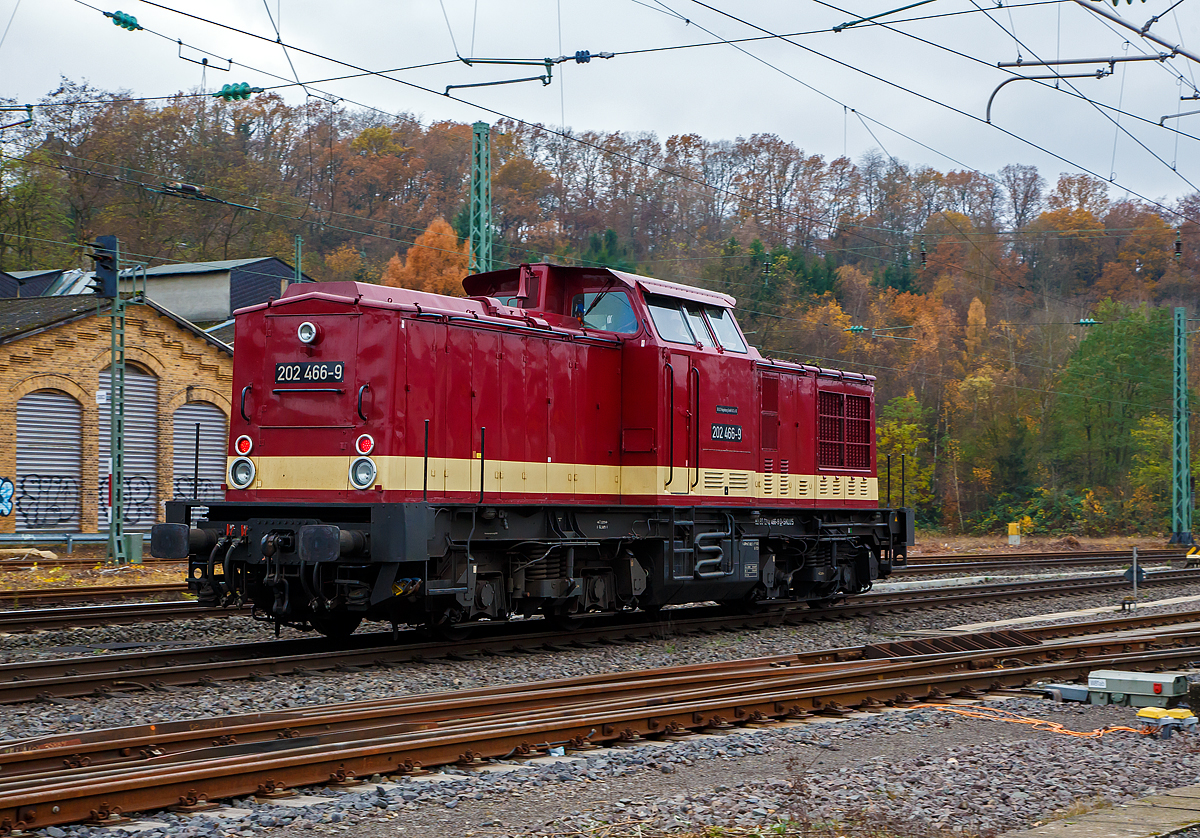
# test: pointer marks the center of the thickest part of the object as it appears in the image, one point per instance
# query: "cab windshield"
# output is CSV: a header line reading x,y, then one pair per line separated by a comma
x,y
608,311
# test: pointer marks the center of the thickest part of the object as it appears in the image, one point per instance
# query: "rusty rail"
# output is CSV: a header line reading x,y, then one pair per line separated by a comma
x,y
160,669
90,593
399,736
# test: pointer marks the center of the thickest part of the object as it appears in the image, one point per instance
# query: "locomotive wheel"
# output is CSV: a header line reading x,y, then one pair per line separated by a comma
x,y
825,597
335,625
753,603
449,626
562,617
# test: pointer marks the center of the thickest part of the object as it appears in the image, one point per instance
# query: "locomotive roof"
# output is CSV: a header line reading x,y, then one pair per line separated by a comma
x,y
384,296
476,284
388,296
676,289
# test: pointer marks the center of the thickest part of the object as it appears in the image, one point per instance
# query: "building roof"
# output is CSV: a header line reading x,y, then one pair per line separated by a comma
x,y
40,272
30,314
75,281
202,267
223,332
22,317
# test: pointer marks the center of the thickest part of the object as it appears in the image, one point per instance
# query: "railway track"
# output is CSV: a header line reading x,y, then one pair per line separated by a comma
x,y
72,561
180,610
100,615
92,593
90,776
120,614
918,565
161,669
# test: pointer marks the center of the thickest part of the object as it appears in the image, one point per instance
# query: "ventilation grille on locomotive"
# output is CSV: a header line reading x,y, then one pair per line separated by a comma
x,y
843,430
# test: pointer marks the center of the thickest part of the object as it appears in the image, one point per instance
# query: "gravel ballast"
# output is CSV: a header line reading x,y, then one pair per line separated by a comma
x,y
921,766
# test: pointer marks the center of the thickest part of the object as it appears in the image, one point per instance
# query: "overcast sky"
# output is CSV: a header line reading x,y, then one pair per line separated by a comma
x,y
797,90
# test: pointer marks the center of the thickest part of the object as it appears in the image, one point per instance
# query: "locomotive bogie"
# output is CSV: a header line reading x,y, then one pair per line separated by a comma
x,y
414,564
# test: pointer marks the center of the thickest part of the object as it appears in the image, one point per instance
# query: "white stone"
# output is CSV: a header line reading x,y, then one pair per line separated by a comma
x,y
137,826
296,801
229,813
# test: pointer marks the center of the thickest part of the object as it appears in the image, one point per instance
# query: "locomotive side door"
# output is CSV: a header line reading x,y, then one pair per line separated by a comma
x,y
680,424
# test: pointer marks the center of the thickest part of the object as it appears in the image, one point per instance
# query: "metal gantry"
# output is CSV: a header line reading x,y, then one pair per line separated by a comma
x,y
1181,447
481,198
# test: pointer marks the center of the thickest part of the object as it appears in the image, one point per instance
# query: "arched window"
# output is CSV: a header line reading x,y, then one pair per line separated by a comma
x,y
46,488
199,472
141,448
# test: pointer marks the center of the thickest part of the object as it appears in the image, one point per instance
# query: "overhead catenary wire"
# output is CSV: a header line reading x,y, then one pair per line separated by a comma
x,y
738,195
566,136
8,26
707,185
372,72
743,196
1109,117
935,101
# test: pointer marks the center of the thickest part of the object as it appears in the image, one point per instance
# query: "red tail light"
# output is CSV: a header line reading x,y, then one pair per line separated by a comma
x,y
365,444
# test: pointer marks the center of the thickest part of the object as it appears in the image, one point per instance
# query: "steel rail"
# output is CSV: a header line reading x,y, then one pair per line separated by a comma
x,y
91,593
121,614
455,728
161,669
171,742
73,561
1063,555
991,565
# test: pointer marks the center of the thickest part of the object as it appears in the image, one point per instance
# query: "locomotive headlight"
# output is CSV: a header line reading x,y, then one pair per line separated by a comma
x,y
308,332
362,472
241,473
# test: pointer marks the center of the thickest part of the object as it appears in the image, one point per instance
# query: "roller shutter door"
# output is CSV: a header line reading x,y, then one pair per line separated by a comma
x,y
46,488
213,444
141,449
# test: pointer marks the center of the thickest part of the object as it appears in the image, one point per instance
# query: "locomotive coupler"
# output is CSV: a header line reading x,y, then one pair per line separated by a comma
x,y
324,543
277,542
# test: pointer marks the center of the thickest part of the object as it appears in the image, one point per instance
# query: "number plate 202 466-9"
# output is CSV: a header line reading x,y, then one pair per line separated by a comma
x,y
308,372
727,433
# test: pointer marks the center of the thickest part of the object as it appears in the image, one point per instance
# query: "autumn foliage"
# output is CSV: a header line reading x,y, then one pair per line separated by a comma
x,y
436,263
970,284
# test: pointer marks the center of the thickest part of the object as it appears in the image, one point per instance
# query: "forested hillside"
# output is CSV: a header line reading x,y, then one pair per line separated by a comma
x,y
969,285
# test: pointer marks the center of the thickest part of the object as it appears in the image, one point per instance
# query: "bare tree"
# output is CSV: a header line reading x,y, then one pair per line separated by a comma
x,y
1025,190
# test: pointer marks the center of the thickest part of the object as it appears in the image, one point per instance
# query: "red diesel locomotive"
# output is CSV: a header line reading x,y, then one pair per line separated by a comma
x,y
564,440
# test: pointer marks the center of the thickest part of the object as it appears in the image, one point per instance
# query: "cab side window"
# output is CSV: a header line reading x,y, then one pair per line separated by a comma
x,y
721,320
695,318
668,320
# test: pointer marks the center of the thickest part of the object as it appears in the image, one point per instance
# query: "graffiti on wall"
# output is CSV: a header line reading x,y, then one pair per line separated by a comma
x,y
189,488
47,500
6,497
139,500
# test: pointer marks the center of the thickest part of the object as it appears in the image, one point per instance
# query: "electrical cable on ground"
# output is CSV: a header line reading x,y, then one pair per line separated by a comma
x,y
995,714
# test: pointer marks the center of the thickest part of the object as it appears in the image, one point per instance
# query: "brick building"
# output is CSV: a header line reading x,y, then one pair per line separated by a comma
x,y
54,359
